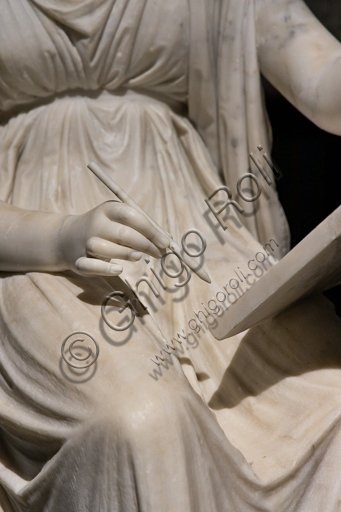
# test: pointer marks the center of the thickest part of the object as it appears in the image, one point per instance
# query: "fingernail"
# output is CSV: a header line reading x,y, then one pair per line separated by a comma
x,y
136,255
115,269
162,241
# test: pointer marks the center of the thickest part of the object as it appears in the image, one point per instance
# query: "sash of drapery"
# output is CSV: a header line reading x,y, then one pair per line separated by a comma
x,y
226,105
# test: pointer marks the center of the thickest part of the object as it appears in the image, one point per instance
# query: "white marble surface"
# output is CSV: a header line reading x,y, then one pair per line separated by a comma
x,y
312,266
166,97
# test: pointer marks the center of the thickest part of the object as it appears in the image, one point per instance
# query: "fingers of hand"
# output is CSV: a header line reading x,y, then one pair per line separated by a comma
x,y
129,237
129,216
93,267
100,248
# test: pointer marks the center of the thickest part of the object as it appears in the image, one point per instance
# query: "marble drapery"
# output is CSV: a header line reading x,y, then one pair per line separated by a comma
x,y
110,81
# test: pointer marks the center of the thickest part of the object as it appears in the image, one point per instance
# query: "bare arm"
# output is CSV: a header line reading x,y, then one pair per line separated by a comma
x,y
28,240
301,59
50,242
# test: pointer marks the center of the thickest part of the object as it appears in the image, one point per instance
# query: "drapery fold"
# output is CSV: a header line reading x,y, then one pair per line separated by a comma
x,y
226,105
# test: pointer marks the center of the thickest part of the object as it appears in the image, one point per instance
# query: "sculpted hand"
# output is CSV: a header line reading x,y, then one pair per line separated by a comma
x,y
112,230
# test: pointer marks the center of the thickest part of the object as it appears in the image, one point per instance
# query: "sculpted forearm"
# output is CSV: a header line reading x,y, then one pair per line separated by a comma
x,y
85,244
301,59
328,92
29,240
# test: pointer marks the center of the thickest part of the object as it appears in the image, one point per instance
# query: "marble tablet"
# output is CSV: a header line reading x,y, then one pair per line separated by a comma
x,y
313,265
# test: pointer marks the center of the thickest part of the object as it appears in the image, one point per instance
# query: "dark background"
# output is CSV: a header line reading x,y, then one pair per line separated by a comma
x,y
309,158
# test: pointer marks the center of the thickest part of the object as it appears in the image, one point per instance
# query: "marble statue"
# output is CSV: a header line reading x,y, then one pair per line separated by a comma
x,y
166,97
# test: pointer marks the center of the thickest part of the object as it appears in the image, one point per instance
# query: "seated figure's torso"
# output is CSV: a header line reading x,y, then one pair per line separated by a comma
x,y
49,47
